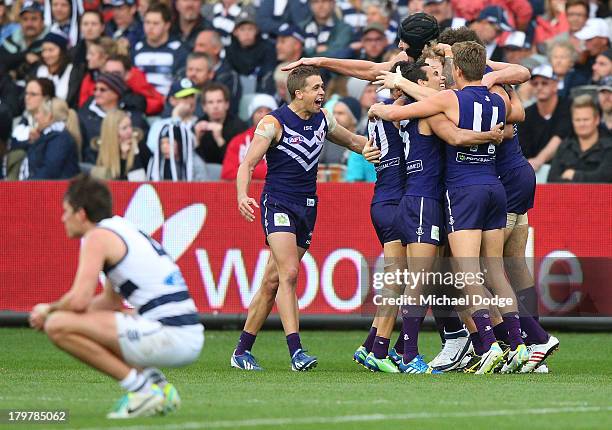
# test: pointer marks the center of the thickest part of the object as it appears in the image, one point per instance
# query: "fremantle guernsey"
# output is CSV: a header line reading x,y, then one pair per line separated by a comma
x,y
424,162
148,279
390,178
293,162
479,110
509,154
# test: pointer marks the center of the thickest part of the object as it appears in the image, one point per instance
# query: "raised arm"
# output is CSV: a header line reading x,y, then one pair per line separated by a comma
x,y
267,130
446,130
442,102
360,69
395,80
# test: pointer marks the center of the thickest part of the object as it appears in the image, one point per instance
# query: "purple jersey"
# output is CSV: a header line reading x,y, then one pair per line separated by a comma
x,y
509,154
479,110
293,162
390,178
424,162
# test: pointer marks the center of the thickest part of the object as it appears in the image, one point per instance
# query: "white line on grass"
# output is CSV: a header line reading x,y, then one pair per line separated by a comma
x,y
269,422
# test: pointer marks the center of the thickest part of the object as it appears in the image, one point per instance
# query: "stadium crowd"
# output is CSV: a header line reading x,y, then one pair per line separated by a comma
x,y
172,90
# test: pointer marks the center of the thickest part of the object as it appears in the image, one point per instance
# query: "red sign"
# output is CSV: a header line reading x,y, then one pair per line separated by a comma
x,y
222,256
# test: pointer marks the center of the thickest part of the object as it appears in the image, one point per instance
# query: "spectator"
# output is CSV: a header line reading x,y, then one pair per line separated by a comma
x,y
199,72
602,67
489,25
158,56
37,90
517,12
587,156
517,47
208,42
7,26
61,16
604,95
174,157
92,28
98,52
54,154
325,34
552,23
107,94
373,44
280,83
381,12
11,96
140,96
367,99
272,14
596,37
346,110
223,14
562,57
577,13
182,99
547,122
251,57
442,10
57,67
119,157
218,126
289,44
125,24
260,106
188,23
21,50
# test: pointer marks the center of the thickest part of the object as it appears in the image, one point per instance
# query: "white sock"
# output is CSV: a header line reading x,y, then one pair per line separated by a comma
x,y
135,382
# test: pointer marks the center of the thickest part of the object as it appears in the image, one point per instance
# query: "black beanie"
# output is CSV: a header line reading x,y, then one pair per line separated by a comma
x,y
417,30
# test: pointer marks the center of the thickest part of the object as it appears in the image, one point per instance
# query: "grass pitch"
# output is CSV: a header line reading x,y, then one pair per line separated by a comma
x,y
338,394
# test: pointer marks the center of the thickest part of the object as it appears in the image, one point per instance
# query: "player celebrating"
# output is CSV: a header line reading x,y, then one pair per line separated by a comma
x,y
162,330
291,138
476,201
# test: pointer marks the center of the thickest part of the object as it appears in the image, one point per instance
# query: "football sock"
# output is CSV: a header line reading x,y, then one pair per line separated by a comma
x,y
293,343
501,333
513,324
135,382
245,343
482,319
370,339
380,348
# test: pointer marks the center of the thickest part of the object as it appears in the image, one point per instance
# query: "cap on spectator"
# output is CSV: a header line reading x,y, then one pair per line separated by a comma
x,y
57,39
375,26
261,100
594,27
426,2
244,17
355,87
545,71
496,15
291,30
517,40
353,105
114,82
605,84
183,88
31,6
119,3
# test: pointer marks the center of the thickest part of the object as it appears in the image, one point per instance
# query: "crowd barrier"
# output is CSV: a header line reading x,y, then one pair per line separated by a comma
x,y
222,256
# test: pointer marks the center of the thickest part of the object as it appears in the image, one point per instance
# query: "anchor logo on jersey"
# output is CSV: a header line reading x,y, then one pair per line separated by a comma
x,y
451,220
420,231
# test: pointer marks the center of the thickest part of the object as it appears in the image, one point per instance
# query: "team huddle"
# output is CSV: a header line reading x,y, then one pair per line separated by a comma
x,y
451,181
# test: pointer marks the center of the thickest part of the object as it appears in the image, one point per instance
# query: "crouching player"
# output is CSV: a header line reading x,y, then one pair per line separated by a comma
x,y
163,329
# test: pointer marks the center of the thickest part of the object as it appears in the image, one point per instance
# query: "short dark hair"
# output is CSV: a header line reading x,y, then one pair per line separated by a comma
x,y
297,78
583,3
46,85
471,59
91,195
215,86
412,71
93,12
450,36
123,59
161,8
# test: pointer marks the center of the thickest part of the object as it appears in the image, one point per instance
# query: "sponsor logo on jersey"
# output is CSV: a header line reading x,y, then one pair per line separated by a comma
x,y
414,166
388,163
463,157
295,140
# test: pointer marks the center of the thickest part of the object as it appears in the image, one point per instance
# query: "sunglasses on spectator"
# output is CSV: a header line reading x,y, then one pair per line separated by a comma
x,y
101,90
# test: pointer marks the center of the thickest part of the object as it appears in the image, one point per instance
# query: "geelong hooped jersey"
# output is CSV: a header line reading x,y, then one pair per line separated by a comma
x,y
479,110
293,162
390,178
160,63
148,279
509,154
424,161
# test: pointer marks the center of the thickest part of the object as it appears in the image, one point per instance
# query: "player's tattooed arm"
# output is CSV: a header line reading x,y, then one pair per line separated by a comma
x,y
446,130
505,73
268,131
360,69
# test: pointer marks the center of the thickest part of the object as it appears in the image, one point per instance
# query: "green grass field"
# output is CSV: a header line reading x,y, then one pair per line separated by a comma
x,y
337,395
